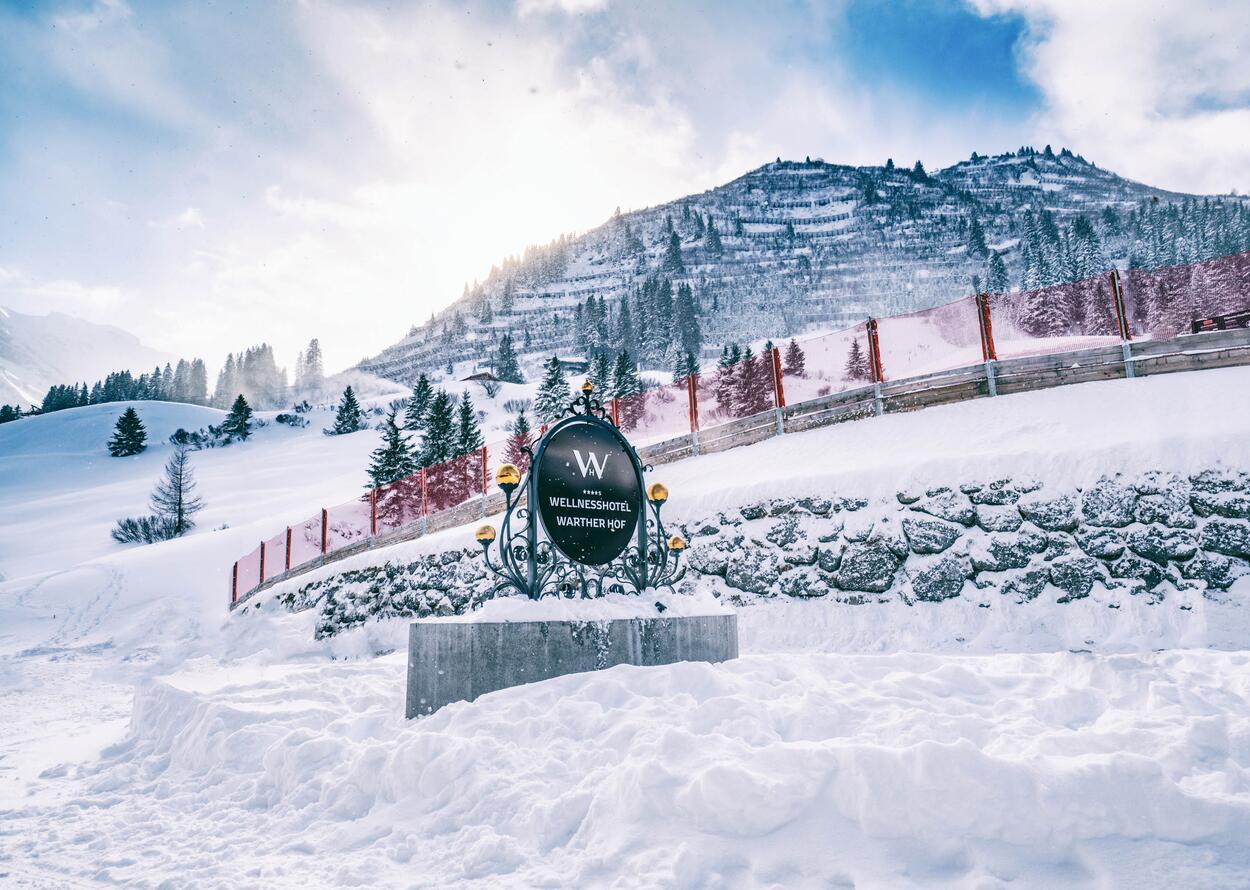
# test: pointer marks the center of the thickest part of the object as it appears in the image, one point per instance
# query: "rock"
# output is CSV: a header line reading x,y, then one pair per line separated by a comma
x,y
998,518
1218,572
705,531
815,506
829,557
1000,552
754,571
1100,542
858,527
889,531
1000,492
799,555
1109,503
1227,536
868,567
1219,481
1053,514
907,498
804,583
1170,509
949,505
849,504
929,535
1134,567
780,507
1231,505
754,511
1075,576
712,558
1162,545
1026,586
941,580
785,532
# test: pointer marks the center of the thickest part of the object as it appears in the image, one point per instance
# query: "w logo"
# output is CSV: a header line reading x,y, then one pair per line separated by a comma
x,y
592,464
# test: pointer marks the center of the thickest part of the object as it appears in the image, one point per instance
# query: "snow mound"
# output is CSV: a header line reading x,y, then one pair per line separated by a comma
x,y
787,771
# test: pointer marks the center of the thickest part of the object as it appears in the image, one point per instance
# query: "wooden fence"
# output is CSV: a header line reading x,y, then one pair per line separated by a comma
x,y
1196,352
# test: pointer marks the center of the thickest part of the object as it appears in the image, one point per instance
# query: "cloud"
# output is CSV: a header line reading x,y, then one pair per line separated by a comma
x,y
1159,92
572,7
191,218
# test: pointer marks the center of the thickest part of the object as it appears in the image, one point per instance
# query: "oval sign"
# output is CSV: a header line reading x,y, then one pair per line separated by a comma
x,y
589,496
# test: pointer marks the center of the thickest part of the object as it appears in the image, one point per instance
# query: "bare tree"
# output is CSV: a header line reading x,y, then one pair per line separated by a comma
x,y
174,497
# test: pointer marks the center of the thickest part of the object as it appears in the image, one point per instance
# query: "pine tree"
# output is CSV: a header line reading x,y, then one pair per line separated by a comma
x,y
711,241
996,274
8,413
601,375
468,433
311,372
976,239
418,406
174,498
688,333
197,387
349,418
754,384
238,423
507,368
554,395
856,367
129,435
685,365
520,438
796,361
393,459
626,387
439,444
672,256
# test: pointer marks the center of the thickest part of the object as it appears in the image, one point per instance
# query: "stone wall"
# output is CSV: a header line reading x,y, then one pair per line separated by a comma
x,y
1149,535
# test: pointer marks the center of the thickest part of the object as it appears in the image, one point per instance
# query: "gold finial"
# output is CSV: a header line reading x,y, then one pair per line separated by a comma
x,y
657,493
507,475
588,387
485,534
677,543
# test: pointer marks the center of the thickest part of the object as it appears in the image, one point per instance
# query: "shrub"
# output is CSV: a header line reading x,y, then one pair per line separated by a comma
x,y
144,530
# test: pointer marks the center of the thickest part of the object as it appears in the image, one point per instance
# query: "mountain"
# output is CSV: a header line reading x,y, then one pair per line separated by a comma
x,y
39,351
796,245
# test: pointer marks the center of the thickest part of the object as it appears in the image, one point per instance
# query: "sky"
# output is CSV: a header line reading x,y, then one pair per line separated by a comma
x,y
211,175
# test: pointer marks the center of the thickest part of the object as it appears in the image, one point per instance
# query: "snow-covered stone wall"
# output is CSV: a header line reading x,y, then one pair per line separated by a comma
x,y
1151,535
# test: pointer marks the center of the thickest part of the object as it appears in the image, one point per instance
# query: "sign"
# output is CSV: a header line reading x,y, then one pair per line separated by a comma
x,y
589,492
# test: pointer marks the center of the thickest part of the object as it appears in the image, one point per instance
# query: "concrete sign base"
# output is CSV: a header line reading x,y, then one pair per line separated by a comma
x,y
451,661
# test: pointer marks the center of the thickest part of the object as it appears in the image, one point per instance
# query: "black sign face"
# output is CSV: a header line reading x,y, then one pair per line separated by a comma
x,y
589,496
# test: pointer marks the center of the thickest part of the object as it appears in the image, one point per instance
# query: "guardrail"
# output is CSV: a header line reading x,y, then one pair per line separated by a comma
x,y
978,347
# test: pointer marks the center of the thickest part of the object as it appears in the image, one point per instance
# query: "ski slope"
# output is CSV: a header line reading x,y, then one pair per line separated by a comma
x,y
155,739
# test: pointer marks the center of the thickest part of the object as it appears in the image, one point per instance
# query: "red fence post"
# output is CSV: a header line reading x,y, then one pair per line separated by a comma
x,y
425,503
288,548
1121,317
485,472
616,412
779,393
325,520
692,402
262,562
373,512
874,366
234,583
988,354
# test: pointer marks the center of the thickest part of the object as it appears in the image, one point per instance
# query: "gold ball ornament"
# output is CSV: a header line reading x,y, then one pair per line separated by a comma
x,y
677,543
485,534
508,474
657,492
588,387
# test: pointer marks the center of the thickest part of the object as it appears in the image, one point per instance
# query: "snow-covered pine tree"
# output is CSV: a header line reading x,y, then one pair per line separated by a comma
x,y
976,239
348,418
418,406
686,365
711,241
625,337
796,361
688,332
174,498
468,432
507,367
672,256
601,375
514,453
856,367
753,392
238,423
554,395
227,384
129,435
627,389
393,459
313,368
439,444
996,281
198,387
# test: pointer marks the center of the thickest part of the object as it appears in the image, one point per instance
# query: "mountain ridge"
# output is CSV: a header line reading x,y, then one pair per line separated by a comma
x,y
805,244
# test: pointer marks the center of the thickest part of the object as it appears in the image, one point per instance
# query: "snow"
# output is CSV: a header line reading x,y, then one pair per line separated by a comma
x,y
153,739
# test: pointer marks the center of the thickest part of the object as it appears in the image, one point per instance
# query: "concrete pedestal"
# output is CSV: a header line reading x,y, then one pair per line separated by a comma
x,y
452,661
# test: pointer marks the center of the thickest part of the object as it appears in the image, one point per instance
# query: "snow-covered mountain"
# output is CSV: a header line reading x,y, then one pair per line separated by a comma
x,y
39,351
796,245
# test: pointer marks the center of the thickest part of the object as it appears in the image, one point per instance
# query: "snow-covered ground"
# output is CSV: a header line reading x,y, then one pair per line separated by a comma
x,y
153,740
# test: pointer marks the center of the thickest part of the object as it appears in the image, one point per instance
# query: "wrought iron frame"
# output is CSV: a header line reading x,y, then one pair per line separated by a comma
x,y
534,566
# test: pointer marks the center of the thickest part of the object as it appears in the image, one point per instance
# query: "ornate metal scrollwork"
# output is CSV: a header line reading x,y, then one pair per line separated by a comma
x,y
534,567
